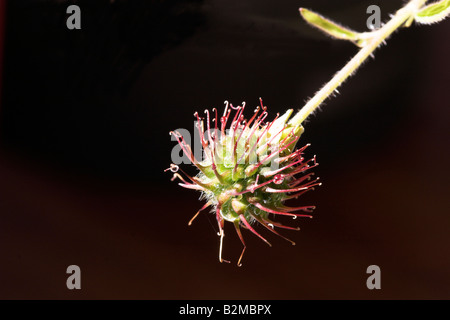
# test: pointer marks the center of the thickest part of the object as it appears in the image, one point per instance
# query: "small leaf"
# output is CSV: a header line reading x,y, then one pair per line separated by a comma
x,y
328,26
434,12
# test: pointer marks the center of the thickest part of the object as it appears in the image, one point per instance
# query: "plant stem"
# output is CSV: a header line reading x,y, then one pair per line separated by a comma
x,y
375,38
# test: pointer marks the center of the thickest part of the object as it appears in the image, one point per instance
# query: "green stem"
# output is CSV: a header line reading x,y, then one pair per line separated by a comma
x,y
375,39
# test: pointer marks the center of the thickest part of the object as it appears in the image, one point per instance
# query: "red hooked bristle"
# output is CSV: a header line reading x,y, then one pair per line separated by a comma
x,y
241,112
251,188
304,167
221,233
296,195
304,208
279,225
261,103
235,123
252,118
194,180
186,184
208,128
238,231
201,209
173,168
224,118
200,128
257,218
261,207
236,115
298,181
271,173
301,188
192,186
249,227
219,218
215,133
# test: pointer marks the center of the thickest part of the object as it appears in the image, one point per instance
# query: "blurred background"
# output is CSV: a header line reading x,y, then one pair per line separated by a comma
x,y
85,117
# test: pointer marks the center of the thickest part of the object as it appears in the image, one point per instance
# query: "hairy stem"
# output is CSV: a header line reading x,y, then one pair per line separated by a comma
x,y
375,38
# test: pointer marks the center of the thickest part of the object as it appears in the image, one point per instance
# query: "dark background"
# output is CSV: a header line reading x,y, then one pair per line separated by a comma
x,y
85,117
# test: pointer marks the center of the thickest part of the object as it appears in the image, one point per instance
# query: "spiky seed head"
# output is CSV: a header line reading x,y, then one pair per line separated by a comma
x,y
249,169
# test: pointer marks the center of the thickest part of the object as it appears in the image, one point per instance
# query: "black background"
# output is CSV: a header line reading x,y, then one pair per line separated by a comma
x,y
85,117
